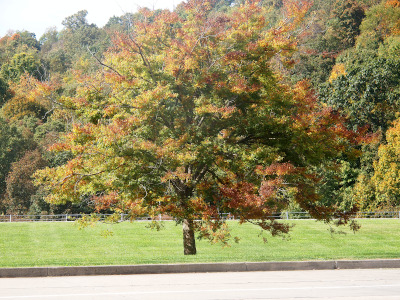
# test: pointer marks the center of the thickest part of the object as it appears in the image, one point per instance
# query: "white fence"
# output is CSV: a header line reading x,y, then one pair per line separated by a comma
x,y
60,218
124,217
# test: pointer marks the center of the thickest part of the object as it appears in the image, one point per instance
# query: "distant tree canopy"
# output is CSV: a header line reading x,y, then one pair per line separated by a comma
x,y
368,93
5,93
20,64
76,21
19,186
386,177
12,144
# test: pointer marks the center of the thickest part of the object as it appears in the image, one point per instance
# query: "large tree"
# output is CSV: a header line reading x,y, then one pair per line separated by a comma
x,y
189,119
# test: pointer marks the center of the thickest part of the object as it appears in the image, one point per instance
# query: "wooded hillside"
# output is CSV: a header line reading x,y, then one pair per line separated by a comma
x,y
293,106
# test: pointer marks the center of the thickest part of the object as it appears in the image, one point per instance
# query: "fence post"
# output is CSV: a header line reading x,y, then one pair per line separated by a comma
x,y
66,218
122,217
287,215
10,218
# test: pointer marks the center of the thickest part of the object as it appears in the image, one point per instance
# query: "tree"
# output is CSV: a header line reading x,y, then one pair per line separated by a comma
x,y
12,144
79,36
386,178
21,41
29,39
20,187
345,24
20,64
364,84
368,92
123,23
348,16
76,21
381,22
48,39
31,97
4,92
334,27
188,119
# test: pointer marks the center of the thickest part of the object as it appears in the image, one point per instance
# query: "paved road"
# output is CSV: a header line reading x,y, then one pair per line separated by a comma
x,y
330,284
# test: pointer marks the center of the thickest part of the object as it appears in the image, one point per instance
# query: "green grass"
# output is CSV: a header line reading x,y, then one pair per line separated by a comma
x,y
62,244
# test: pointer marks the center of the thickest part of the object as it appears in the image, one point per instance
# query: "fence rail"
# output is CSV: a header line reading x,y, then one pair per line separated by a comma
x,y
62,217
125,217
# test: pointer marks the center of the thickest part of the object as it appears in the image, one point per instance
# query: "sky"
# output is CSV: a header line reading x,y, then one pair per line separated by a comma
x,y
38,15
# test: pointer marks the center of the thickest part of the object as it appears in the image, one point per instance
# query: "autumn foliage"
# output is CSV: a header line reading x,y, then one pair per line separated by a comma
x,y
386,179
189,118
31,97
394,3
20,187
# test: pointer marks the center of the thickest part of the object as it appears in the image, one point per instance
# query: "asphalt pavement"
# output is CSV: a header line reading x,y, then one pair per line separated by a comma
x,y
360,284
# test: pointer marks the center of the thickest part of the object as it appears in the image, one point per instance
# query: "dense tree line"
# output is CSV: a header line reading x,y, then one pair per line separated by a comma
x,y
345,55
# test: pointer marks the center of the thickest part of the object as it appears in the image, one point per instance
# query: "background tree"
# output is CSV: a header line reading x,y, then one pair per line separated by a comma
x,y
386,178
368,93
5,93
381,22
19,184
20,41
333,28
12,145
76,21
188,119
345,24
364,84
20,64
48,39
80,38
53,53
30,98
123,23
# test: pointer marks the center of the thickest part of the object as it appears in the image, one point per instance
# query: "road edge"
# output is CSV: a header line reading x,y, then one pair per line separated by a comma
x,y
199,268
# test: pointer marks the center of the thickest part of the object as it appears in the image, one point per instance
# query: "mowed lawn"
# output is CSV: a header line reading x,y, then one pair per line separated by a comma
x,y
63,244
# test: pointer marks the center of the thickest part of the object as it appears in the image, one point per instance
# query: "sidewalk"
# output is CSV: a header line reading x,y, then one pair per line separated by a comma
x,y
200,268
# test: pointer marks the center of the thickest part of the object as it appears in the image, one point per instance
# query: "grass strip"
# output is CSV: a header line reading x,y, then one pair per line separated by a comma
x,y
63,244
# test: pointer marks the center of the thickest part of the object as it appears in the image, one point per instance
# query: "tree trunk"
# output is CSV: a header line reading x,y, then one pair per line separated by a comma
x,y
189,242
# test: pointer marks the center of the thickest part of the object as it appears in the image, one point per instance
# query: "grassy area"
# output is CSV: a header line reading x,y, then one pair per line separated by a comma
x,y
62,244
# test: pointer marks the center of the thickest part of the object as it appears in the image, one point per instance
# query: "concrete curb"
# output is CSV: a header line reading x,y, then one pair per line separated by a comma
x,y
199,268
